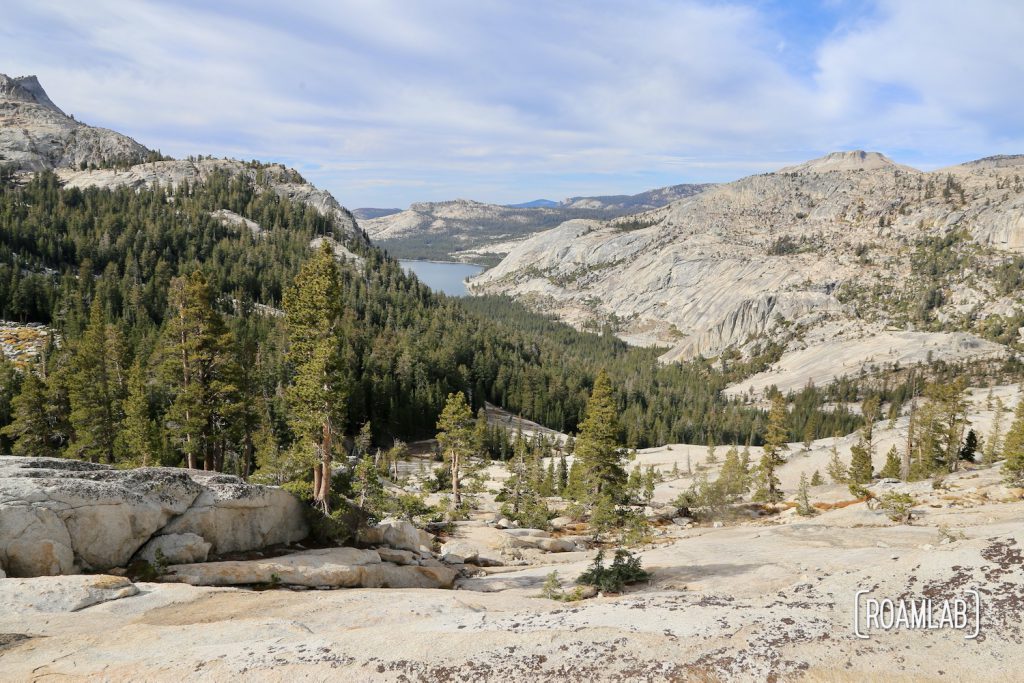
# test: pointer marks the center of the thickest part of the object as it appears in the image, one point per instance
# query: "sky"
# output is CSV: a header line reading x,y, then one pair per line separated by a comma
x,y
388,102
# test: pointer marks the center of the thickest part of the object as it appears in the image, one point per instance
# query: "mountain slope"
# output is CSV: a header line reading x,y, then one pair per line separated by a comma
x,y
284,182
473,231
35,134
837,248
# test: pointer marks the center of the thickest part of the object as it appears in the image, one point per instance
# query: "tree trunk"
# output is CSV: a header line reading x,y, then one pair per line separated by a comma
x,y
324,491
316,482
247,456
190,455
456,496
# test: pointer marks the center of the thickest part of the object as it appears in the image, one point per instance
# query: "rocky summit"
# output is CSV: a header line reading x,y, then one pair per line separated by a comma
x,y
35,134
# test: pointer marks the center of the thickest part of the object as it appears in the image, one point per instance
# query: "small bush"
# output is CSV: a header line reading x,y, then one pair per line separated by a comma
x,y
624,570
552,590
412,507
860,492
897,505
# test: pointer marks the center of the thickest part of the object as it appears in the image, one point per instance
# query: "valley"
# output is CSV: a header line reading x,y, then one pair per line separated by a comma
x,y
690,434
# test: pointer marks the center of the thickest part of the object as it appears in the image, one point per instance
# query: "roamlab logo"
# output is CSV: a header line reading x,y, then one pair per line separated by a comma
x,y
871,614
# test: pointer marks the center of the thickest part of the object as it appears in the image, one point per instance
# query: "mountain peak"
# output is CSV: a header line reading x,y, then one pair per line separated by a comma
x,y
851,160
26,89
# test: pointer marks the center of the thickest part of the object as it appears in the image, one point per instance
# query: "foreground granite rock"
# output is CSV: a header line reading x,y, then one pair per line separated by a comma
x,y
64,594
397,533
327,567
63,516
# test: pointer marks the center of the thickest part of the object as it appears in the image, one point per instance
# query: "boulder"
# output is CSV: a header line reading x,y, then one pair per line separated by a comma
x,y
662,512
337,567
62,593
397,533
682,521
559,523
330,567
487,561
34,541
466,551
503,523
233,515
397,556
556,545
60,516
391,576
510,542
452,558
536,533
175,549
1003,493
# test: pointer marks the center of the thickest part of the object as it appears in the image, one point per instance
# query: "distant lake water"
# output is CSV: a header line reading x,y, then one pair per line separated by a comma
x,y
443,277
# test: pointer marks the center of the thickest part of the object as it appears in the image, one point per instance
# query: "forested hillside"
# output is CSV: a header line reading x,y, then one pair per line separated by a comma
x,y
130,279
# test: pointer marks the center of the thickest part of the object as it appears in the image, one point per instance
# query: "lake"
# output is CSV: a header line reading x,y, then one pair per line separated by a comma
x,y
443,277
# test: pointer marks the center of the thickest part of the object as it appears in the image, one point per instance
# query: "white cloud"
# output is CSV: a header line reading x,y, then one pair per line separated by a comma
x,y
387,101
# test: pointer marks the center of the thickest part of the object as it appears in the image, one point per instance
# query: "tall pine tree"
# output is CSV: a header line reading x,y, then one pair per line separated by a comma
x,y
457,438
597,448
775,440
317,393
96,388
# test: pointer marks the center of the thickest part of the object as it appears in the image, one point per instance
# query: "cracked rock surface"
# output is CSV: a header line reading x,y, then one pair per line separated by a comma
x,y
64,516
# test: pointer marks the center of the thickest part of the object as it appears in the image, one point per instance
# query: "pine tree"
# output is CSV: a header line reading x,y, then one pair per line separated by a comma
x,y
733,479
836,470
481,433
548,485
597,447
196,355
817,479
96,385
712,458
994,444
774,443
561,476
30,429
139,439
649,481
456,436
803,498
273,466
366,484
745,467
10,385
861,470
970,446
317,393
399,452
363,441
518,482
891,469
1013,448
634,484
